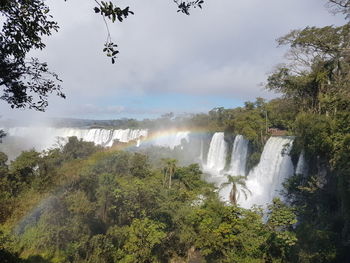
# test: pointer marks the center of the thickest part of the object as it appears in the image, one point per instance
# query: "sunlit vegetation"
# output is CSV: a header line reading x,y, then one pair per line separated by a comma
x,y
81,203
84,204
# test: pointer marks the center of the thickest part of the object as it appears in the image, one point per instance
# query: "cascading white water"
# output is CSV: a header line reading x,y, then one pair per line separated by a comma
x,y
239,156
216,160
301,165
97,136
45,137
265,180
127,135
201,152
170,140
237,165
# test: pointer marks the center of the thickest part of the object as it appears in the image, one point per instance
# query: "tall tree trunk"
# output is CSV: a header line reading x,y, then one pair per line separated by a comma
x,y
170,175
233,195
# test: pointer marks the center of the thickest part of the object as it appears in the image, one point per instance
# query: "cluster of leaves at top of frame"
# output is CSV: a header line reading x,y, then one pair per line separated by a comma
x,y
112,12
340,6
26,23
184,7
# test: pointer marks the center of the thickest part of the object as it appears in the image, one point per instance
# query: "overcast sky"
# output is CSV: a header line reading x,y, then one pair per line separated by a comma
x,y
168,62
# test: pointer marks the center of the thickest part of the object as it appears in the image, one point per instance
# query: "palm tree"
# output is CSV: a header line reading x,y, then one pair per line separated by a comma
x,y
169,169
236,181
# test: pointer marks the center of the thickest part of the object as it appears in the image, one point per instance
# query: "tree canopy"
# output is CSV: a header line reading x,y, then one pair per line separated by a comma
x,y
26,82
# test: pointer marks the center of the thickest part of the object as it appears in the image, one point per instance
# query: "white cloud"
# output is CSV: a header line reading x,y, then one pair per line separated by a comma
x,y
225,49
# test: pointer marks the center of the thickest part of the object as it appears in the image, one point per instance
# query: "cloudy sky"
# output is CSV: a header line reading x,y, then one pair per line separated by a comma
x,y
168,62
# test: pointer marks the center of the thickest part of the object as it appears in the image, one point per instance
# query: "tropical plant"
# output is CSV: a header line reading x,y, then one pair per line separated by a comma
x,y
169,170
238,186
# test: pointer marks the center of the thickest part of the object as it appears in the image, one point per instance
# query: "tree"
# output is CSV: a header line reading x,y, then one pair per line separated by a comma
x,y
4,187
112,12
104,194
143,236
280,223
169,170
139,165
2,135
317,77
25,83
340,6
76,149
24,170
3,165
189,177
236,182
229,233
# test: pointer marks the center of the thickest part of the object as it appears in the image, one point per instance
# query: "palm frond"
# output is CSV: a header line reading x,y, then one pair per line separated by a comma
x,y
235,181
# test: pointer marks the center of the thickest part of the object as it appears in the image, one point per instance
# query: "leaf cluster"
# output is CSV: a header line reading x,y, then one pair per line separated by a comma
x,y
112,12
185,6
25,83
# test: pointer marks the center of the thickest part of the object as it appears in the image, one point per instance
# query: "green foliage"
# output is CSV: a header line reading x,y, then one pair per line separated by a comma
x,y
143,237
229,234
315,133
26,22
140,166
282,238
281,113
185,6
340,6
4,188
316,85
114,207
112,12
189,177
81,204
3,165
76,149
169,170
23,171
238,186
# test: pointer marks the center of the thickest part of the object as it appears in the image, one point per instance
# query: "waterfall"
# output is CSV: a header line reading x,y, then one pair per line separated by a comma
x,y
239,156
127,135
216,160
44,137
237,165
265,180
170,140
97,136
201,152
301,165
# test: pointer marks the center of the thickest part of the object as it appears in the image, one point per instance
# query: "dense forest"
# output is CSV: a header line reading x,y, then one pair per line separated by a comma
x,y
82,203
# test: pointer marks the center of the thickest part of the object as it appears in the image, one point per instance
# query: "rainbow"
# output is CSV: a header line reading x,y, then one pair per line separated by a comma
x,y
153,138
157,138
